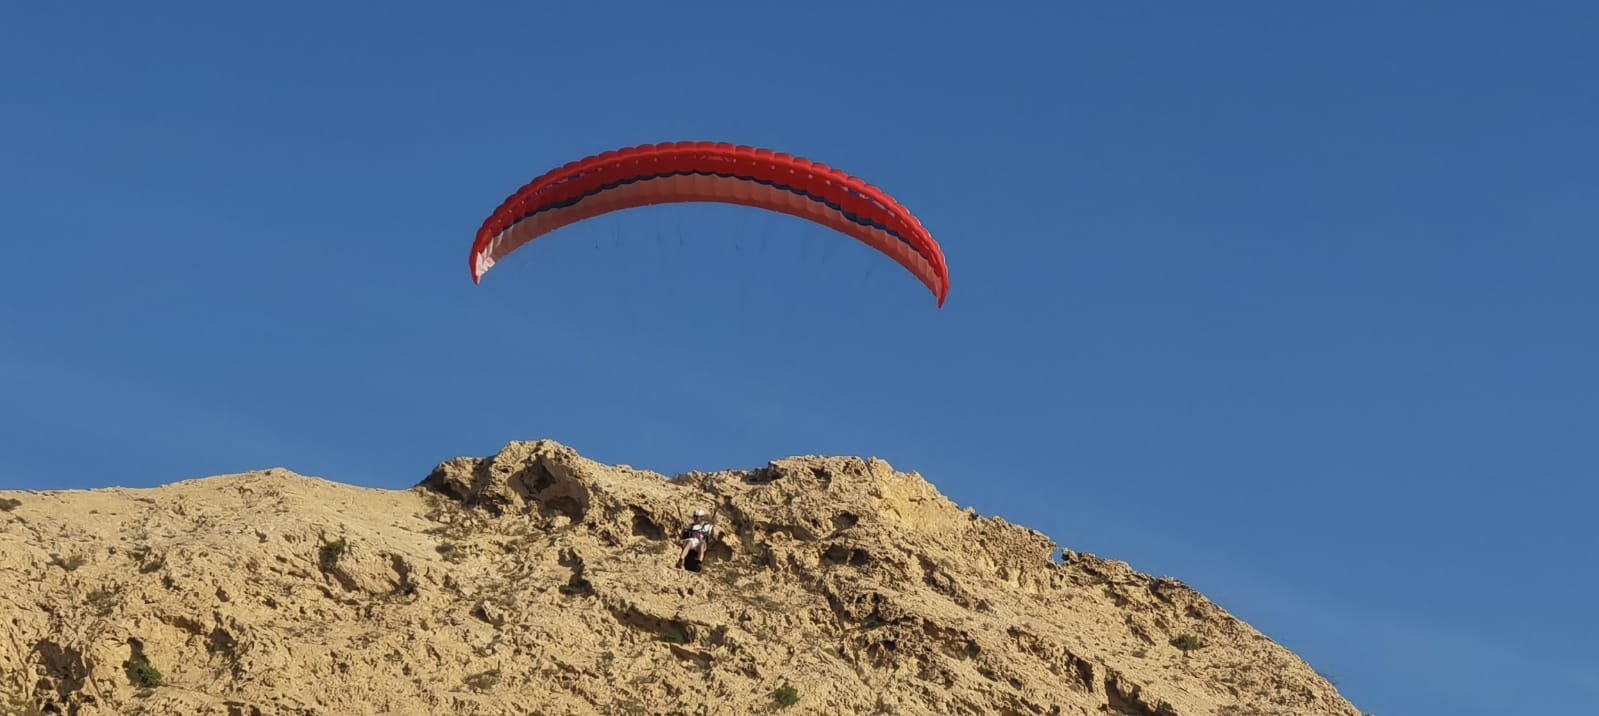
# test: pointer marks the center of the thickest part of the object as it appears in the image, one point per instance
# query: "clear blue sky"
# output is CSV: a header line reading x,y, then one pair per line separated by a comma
x,y
1293,302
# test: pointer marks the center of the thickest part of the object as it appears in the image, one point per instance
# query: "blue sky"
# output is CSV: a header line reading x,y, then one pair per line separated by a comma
x,y
1291,302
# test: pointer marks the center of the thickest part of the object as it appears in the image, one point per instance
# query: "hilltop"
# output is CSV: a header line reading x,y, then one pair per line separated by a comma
x,y
537,581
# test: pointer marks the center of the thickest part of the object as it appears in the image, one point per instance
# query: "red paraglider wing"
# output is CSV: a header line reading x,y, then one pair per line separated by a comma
x,y
715,172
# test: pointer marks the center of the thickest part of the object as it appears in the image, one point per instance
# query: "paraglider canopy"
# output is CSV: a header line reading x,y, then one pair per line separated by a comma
x,y
710,172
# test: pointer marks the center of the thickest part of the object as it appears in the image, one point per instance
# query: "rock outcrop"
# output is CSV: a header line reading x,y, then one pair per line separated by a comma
x,y
537,581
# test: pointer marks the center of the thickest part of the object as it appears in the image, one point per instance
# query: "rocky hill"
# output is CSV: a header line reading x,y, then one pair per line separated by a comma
x,y
537,581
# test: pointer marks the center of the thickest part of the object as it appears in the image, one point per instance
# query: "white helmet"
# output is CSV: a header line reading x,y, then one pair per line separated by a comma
x,y
698,514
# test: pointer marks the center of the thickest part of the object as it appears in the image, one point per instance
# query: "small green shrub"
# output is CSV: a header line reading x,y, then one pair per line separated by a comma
x,y
785,695
1188,642
141,673
7,504
331,552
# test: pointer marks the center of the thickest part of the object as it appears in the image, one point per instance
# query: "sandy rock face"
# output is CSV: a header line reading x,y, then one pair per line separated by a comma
x,y
537,581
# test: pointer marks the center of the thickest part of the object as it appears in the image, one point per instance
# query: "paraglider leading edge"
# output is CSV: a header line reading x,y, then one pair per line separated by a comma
x,y
711,172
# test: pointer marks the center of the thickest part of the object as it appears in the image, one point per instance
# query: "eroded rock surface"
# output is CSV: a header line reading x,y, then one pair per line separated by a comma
x,y
537,581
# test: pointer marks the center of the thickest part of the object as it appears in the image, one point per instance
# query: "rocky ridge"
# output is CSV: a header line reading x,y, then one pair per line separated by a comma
x,y
537,581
